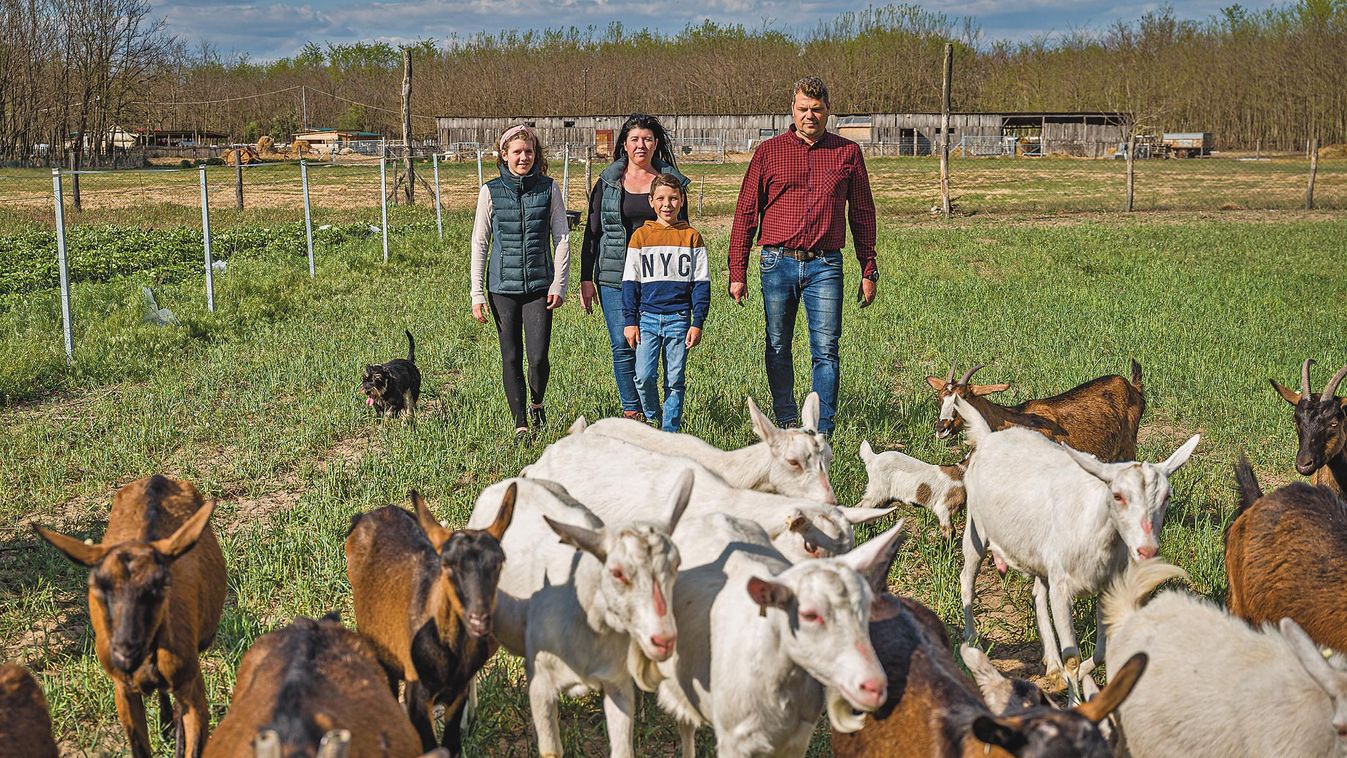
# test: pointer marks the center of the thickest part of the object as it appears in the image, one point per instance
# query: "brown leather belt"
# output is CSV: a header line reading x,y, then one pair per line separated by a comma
x,y
797,254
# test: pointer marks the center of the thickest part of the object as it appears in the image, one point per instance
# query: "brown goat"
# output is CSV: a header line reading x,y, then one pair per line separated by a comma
x,y
156,590
1321,426
1286,557
425,596
306,679
1100,417
25,725
934,711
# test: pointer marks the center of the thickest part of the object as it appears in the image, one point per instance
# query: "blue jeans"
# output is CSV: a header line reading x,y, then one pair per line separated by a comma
x,y
818,283
663,333
624,358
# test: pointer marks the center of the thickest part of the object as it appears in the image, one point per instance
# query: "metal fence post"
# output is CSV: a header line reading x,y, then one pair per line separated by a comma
x,y
479,168
308,217
61,265
566,175
383,201
205,236
439,209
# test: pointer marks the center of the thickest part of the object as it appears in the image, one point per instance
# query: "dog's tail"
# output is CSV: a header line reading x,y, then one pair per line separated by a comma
x,y
411,347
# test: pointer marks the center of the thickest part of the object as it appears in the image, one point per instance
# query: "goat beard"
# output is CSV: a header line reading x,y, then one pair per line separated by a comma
x,y
843,717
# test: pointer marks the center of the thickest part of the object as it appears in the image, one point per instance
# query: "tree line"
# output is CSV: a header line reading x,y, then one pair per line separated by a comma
x,y
1269,78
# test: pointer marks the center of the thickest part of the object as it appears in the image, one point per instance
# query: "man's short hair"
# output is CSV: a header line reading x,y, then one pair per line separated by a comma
x,y
812,87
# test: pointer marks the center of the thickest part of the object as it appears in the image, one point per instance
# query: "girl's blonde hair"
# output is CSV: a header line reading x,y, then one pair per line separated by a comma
x,y
515,134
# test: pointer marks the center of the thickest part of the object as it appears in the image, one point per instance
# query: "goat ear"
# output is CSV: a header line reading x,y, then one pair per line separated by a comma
x,y
1104,472
867,452
810,412
76,550
988,389
1175,462
579,426
999,732
856,516
506,513
185,537
769,594
873,557
429,524
884,606
990,681
1288,394
1307,652
1119,686
588,540
796,521
936,383
762,426
679,498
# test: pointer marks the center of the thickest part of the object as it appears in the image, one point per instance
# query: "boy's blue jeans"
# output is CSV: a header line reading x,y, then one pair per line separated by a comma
x,y
624,358
786,283
663,334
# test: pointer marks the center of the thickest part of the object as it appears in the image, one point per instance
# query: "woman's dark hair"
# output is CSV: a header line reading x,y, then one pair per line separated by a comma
x,y
663,150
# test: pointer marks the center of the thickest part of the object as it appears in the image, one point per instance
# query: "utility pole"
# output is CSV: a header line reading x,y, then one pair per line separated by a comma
x,y
304,106
944,129
407,123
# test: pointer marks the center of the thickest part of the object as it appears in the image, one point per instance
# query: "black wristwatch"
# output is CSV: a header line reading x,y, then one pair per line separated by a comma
x,y
872,276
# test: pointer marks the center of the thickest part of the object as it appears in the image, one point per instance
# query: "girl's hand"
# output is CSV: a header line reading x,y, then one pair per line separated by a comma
x,y
587,296
694,337
633,335
554,302
480,311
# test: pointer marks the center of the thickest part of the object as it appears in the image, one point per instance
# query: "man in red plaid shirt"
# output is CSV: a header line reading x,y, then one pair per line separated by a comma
x,y
793,202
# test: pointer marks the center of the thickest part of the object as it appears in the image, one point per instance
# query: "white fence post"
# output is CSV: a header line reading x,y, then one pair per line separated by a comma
x,y
479,168
205,236
439,209
308,218
383,202
61,265
566,175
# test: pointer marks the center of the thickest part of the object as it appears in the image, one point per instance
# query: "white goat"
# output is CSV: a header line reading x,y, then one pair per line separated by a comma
x,y
1060,516
592,613
1216,686
618,481
764,647
897,477
790,462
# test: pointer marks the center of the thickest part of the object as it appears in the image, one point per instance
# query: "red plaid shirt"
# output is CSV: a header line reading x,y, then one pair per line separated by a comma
x,y
799,193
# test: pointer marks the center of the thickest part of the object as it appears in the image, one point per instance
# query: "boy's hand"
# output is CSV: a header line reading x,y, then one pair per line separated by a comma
x,y
694,337
633,335
480,311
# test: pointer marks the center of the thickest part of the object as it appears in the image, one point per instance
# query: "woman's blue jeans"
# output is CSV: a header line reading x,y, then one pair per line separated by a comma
x,y
624,358
786,283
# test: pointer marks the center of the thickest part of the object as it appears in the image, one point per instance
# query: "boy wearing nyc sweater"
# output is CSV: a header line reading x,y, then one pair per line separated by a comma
x,y
666,292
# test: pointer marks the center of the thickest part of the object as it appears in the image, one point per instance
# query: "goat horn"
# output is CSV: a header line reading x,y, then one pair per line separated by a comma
x,y
950,380
1305,377
1331,388
969,374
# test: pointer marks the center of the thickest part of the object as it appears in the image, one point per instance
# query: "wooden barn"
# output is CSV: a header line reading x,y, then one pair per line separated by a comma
x,y
1083,134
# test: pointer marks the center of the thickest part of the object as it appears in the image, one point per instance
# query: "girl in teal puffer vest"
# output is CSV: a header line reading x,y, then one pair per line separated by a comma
x,y
521,242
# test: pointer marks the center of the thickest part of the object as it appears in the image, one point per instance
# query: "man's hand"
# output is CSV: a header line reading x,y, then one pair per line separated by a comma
x,y
694,337
633,335
480,312
866,295
739,291
587,296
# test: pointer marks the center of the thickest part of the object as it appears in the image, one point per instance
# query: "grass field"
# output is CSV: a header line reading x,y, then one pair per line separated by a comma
x,y
257,402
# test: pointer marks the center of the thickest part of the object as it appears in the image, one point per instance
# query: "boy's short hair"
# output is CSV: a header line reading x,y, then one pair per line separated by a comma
x,y
812,87
668,180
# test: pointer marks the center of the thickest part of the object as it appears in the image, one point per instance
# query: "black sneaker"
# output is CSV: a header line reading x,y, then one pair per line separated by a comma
x,y
792,424
521,436
539,416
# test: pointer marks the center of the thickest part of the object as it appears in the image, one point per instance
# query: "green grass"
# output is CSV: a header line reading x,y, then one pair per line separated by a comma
x,y
257,404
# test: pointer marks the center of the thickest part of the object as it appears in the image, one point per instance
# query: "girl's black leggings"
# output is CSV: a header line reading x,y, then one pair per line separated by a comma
x,y
523,320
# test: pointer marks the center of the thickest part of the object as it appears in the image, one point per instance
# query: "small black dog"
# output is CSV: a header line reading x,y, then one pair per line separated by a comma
x,y
395,386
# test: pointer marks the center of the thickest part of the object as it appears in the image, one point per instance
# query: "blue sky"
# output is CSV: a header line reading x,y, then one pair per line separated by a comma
x,y
269,31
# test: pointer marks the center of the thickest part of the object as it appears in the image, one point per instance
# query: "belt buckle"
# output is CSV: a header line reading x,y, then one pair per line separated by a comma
x,y
807,255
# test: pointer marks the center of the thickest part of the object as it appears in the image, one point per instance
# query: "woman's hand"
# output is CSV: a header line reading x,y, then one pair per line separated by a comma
x,y
480,311
694,337
587,296
633,335
554,302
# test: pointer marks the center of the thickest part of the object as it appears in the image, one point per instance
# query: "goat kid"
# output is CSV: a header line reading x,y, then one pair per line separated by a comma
x,y
1286,557
156,591
1216,686
25,723
1100,417
790,462
1321,427
897,477
1062,517
425,597
299,683
591,612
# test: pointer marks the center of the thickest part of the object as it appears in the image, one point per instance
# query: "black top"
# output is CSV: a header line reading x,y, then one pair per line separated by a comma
x,y
636,211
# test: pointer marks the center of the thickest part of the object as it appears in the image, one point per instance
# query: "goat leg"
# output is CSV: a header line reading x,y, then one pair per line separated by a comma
x,y
193,716
131,712
168,718
421,711
973,552
452,739
1043,617
1059,595
619,705
543,703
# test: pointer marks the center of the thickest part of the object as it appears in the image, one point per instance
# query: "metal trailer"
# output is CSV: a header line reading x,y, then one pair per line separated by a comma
x,y
1186,144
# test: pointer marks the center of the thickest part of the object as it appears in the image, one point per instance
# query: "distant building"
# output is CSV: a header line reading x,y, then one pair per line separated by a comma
x,y
334,137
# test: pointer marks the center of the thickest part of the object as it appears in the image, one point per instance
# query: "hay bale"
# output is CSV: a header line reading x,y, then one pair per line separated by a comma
x,y
247,155
1333,151
265,145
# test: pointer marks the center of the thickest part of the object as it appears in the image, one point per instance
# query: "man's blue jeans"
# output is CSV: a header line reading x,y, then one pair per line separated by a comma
x,y
624,358
663,334
786,283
